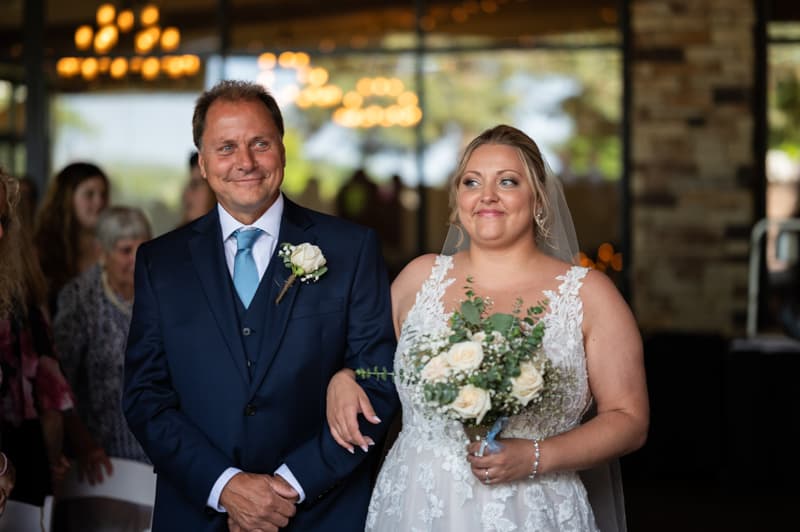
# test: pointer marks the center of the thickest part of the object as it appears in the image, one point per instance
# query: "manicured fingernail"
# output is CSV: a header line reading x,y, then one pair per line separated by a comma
x,y
376,419
351,450
364,448
370,442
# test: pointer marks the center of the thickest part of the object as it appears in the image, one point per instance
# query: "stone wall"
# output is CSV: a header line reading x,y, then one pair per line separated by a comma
x,y
692,162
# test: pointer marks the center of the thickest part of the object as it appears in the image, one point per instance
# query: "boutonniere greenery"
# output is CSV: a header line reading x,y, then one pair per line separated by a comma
x,y
306,262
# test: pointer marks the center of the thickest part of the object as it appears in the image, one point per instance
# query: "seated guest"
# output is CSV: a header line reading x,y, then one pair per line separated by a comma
x,y
91,328
34,393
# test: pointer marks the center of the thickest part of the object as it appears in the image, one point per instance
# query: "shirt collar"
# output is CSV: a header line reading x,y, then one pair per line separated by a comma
x,y
269,222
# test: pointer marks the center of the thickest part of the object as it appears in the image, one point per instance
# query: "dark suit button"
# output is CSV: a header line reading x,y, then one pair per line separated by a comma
x,y
250,410
246,331
249,363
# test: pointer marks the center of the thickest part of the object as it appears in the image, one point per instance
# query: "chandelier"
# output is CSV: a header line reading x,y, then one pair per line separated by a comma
x,y
154,47
375,102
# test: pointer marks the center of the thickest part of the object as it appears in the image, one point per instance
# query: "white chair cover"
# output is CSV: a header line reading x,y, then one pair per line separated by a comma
x,y
24,517
131,481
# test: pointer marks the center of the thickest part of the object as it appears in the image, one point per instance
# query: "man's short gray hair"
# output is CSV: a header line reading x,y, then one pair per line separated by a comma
x,y
119,222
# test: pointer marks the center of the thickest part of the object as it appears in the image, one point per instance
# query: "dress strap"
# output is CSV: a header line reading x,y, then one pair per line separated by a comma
x,y
572,281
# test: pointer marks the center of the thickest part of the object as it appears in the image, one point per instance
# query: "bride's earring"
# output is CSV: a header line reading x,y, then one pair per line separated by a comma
x,y
539,218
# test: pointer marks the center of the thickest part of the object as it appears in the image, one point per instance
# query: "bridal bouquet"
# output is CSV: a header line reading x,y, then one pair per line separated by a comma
x,y
485,367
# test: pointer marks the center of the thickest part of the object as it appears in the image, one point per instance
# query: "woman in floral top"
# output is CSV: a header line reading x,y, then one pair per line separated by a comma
x,y
91,330
34,393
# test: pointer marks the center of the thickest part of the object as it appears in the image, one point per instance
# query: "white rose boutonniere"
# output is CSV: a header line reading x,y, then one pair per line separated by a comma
x,y
306,262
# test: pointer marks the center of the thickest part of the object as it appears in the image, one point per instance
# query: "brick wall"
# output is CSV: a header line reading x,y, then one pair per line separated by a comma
x,y
692,162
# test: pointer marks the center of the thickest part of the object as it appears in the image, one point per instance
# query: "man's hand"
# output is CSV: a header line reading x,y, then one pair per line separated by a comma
x,y
258,502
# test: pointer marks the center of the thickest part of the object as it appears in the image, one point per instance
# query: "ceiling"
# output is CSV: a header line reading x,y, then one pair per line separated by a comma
x,y
257,25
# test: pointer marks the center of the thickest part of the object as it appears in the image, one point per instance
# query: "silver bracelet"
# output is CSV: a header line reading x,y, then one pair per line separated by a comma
x,y
536,455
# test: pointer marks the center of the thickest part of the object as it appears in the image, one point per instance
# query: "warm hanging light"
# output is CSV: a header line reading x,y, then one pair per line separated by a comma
x,y
149,15
266,61
191,64
145,41
105,14
150,68
89,68
118,68
170,39
103,64
83,37
125,20
318,76
68,67
105,39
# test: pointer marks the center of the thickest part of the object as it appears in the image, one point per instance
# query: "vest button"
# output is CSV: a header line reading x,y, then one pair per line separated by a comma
x,y
246,331
250,410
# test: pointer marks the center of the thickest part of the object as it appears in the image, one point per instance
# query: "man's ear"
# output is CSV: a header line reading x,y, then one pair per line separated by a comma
x,y
201,163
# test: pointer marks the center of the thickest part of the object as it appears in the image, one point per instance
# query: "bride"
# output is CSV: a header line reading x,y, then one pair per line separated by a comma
x,y
518,243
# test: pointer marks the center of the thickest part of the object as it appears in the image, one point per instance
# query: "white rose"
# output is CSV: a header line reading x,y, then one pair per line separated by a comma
x,y
308,257
472,403
465,356
528,385
478,336
436,369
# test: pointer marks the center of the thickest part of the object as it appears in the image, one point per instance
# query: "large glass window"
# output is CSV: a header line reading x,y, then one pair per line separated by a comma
x,y
783,180
379,101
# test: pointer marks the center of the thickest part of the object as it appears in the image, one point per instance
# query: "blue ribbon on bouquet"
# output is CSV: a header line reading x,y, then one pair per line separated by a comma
x,y
489,442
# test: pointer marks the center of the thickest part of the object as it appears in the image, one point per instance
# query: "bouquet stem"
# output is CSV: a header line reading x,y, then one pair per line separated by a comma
x,y
487,435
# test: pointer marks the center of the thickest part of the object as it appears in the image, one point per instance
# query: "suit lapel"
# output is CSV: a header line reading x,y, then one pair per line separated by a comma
x,y
208,258
294,224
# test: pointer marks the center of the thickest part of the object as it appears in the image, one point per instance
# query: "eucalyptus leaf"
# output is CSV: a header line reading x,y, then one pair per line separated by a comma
x,y
470,312
501,322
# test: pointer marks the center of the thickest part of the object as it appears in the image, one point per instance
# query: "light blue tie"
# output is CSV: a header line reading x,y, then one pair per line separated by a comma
x,y
245,273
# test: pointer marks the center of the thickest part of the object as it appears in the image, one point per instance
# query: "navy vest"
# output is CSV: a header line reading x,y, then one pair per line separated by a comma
x,y
252,322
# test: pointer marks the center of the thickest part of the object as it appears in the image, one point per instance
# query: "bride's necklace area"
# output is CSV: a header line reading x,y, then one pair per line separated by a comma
x,y
126,307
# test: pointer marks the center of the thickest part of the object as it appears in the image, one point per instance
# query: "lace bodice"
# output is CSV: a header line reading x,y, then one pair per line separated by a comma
x,y
426,482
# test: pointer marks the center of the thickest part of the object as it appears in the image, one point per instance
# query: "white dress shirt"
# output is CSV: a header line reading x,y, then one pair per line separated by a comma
x,y
263,248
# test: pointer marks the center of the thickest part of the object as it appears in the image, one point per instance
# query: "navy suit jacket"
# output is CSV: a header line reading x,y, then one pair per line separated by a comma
x,y
188,395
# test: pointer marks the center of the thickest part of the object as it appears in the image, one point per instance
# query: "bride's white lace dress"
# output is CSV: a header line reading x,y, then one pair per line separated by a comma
x,y
426,483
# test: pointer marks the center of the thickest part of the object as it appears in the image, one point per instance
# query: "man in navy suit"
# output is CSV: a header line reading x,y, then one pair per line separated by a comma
x,y
225,391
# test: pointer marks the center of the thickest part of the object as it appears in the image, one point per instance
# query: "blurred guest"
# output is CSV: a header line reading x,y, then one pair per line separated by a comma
x,y
198,198
65,228
357,200
7,479
28,199
91,328
34,392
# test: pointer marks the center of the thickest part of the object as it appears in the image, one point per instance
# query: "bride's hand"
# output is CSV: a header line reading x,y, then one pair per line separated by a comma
x,y
513,462
345,400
